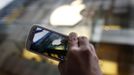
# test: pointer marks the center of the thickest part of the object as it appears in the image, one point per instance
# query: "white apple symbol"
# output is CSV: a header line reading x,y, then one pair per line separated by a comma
x,y
56,42
67,15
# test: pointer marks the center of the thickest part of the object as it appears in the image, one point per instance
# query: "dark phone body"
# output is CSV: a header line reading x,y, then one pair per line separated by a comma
x,y
47,42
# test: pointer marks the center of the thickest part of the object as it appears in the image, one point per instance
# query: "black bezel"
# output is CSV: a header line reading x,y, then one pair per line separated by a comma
x,y
30,38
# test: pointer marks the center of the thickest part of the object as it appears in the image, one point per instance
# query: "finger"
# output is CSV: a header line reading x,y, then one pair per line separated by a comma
x,y
61,67
73,40
83,41
92,47
93,50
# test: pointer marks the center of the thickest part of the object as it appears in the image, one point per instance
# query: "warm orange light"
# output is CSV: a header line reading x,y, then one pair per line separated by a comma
x,y
52,61
30,55
108,67
112,27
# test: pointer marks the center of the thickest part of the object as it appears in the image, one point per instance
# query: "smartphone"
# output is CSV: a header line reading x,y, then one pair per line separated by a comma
x,y
48,43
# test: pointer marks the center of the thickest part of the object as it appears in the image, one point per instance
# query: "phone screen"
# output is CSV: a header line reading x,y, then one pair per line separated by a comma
x,y
48,43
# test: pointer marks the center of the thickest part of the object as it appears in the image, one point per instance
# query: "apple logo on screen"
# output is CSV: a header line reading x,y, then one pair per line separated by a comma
x,y
56,42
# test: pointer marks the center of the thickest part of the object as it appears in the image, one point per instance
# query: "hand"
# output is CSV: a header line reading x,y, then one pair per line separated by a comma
x,y
81,58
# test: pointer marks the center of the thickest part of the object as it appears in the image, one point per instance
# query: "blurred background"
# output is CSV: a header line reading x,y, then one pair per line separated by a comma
x,y
107,23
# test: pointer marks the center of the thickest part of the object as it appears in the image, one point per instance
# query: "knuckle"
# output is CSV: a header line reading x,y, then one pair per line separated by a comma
x,y
73,50
85,49
91,45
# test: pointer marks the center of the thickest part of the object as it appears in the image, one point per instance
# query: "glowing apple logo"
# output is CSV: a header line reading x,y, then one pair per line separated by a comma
x,y
56,42
67,15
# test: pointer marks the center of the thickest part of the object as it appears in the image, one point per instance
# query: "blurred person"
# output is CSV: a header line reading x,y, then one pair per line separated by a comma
x,y
81,58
